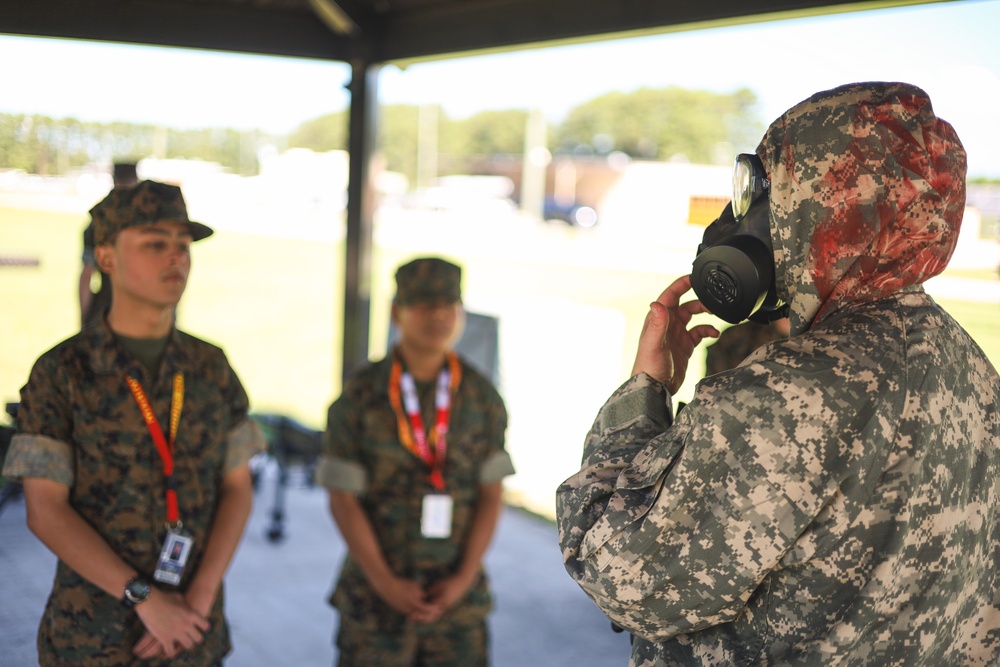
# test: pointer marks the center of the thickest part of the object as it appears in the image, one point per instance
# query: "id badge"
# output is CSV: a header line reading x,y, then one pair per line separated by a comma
x,y
435,520
173,558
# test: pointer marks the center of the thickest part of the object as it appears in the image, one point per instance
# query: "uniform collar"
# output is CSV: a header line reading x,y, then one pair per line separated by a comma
x,y
110,357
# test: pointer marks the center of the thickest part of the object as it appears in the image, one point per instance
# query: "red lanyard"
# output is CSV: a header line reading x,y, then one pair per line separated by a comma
x,y
164,447
412,432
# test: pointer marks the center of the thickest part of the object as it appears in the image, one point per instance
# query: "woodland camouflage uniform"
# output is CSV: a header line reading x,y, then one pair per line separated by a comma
x,y
833,501
363,455
79,425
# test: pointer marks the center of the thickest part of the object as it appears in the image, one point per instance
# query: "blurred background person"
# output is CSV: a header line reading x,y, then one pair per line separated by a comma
x,y
737,342
94,303
414,461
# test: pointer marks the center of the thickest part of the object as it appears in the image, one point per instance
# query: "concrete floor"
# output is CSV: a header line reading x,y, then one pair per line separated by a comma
x,y
277,591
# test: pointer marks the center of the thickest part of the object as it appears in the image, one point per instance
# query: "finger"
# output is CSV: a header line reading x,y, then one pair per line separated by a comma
x,y
144,642
654,329
147,647
693,307
703,331
426,614
654,318
187,642
417,606
671,296
146,652
190,638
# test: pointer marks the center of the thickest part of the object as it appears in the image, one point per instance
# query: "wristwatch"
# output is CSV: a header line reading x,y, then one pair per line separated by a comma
x,y
136,592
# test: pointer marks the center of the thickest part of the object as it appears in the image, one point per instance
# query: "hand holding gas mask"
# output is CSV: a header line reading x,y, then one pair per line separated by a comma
x,y
733,273
733,277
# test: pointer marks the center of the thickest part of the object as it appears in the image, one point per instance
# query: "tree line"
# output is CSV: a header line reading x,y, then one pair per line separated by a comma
x,y
653,124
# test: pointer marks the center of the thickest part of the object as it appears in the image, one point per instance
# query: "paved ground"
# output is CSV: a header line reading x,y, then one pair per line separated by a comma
x,y
276,595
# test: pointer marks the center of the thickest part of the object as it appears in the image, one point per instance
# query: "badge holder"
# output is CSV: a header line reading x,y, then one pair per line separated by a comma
x,y
174,555
435,520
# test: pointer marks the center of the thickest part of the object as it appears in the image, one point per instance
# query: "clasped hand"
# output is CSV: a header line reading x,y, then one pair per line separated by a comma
x,y
172,625
423,606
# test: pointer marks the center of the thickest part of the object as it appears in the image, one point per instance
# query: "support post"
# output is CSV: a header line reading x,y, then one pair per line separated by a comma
x,y
360,211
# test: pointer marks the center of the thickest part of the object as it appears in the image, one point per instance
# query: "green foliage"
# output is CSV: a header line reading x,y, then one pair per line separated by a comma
x,y
487,133
484,134
326,133
701,126
459,142
466,144
660,124
397,138
48,146
18,145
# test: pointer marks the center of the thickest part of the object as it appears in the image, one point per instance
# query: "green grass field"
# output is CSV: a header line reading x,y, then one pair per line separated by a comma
x,y
571,305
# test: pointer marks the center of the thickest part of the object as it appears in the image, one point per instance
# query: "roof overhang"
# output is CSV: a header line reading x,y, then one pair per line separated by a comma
x,y
388,31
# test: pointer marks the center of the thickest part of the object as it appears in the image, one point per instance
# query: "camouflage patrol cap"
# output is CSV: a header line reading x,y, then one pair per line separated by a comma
x,y
144,204
428,279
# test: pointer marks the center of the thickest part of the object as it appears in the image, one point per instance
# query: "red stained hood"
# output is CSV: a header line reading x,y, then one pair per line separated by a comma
x,y
867,196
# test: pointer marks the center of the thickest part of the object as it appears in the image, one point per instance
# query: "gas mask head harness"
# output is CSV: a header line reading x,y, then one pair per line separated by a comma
x,y
733,273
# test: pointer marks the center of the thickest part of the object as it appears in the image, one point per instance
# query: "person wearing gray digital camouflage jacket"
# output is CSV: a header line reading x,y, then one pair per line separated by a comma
x,y
834,499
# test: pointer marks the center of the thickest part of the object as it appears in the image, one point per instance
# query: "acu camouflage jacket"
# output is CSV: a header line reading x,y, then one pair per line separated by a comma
x,y
833,500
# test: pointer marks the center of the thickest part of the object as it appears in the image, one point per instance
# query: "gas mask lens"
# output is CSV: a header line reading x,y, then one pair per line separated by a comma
x,y
749,182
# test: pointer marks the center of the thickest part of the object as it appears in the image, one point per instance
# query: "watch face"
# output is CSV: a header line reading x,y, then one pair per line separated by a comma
x,y
137,590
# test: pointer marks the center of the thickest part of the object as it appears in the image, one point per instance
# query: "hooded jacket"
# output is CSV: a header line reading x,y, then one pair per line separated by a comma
x,y
834,499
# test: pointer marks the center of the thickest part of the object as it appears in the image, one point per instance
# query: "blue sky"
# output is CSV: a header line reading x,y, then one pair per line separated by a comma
x,y
950,49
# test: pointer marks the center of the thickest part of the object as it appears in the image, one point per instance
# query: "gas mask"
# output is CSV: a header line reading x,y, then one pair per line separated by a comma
x,y
733,273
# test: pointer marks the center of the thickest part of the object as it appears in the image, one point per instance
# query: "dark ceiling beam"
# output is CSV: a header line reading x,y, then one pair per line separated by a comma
x,y
362,21
451,29
202,25
384,31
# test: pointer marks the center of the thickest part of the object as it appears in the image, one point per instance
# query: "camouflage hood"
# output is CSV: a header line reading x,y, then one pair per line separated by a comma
x,y
867,196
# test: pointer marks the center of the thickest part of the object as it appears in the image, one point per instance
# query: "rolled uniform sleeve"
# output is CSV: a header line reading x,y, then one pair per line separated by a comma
x,y
495,468
39,456
497,462
334,473
244,439
41,447
243,442
339,466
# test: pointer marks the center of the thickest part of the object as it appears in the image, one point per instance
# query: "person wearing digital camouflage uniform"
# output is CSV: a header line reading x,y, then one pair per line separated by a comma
x,y
414,460
834,500
95,485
